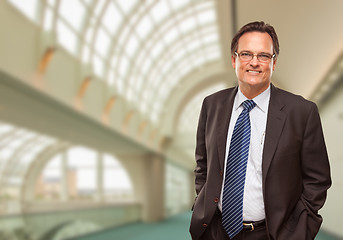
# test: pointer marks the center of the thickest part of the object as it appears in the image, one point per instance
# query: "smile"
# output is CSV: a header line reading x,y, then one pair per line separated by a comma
x,y
253,71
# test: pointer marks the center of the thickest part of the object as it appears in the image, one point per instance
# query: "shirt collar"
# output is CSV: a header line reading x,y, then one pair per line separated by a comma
x,y
261,100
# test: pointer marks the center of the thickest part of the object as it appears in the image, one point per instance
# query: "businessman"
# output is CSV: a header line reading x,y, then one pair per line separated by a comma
x,y
262,170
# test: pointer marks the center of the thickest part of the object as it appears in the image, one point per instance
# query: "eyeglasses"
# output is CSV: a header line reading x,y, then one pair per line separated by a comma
x,y
248,56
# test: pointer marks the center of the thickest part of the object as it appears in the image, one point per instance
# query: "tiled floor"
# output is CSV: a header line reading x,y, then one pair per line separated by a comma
x,y
175,228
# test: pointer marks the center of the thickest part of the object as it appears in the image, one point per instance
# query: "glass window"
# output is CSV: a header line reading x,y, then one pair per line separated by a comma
x,y
27,7
177,189
124,66
73,12
126,5
48,19
176,4
190,113
49,185
102,42
112,18
99,5
144,27
171,35
132,46
206,17
117,184
86,54
187,24
160,11
98,65
66,37
82,171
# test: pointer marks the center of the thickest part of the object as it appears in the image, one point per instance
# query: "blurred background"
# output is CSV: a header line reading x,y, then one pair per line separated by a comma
x,y
99,102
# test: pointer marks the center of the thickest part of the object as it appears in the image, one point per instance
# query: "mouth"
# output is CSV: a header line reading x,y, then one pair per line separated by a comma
x,y
254,71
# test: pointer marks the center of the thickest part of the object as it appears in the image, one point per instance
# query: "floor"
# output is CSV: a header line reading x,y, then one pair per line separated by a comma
x,y
175,228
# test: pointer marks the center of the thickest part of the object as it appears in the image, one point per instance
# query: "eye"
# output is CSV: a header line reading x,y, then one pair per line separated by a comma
x,y
264,56
246,54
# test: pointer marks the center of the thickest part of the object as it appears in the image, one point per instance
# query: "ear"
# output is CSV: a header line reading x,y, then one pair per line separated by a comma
x,y
274,63
233,61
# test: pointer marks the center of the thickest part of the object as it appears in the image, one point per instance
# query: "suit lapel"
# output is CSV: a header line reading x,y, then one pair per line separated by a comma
x,y
223,120
275,122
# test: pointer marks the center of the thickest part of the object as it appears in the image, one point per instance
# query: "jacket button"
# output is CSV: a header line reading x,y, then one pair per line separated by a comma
x,y
204,225
216,200
221,173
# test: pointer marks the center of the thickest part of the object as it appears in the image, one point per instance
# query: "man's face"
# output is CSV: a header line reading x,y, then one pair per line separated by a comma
x,y
254,74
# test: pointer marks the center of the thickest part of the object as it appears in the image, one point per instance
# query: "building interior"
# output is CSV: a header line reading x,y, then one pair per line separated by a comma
x,y
100,99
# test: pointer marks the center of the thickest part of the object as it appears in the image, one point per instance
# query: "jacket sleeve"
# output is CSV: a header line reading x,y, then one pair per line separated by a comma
x,y
200,151
315,166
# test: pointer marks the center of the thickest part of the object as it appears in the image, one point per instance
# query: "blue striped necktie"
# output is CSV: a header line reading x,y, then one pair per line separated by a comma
x,y
232,203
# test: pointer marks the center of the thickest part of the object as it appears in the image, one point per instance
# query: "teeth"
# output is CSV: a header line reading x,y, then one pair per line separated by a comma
x,y
253,71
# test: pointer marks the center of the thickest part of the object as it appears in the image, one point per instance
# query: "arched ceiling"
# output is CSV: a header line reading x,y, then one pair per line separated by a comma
x,y
149,51
140,48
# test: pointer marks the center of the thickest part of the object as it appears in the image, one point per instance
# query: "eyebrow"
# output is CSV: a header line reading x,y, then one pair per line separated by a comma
x,y
257,53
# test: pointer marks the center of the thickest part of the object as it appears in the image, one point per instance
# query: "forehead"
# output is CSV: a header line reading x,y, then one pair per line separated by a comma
x,y
255,42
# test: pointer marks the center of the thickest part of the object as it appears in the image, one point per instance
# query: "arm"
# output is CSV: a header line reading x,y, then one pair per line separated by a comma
x,y
315,165
200,151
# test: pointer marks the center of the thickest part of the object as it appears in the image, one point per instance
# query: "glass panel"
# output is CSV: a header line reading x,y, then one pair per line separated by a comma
x,y
34,149
171,35
124,65
210,38
98,65
157,49
187,24
48,184
146,65
144,27
111,76
212,53
82,169
176,4
120,84
206,17
73,12
160,11
89,34
102,42
194,45
190,113
126,5
99,4
86,54
66,37
88,2
132,46
123,36
81,157
51,2
27,7
112,18
117,184
177,189
48,19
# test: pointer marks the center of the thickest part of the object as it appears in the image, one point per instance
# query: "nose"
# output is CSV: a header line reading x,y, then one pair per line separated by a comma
x,y
254,61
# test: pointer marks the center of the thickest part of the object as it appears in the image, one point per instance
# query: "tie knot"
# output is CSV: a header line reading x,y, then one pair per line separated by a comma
x,y
248,104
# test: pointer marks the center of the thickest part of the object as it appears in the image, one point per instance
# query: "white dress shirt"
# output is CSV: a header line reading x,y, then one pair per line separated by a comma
x,y
253,204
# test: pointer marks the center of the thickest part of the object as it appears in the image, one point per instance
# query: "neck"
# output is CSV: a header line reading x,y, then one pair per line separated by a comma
x,y
250,91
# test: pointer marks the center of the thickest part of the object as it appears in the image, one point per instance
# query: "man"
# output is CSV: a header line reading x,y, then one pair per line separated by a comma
x,y
262,168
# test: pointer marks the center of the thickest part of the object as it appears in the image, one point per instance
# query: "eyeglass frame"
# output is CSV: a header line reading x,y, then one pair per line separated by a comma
x,y
253,55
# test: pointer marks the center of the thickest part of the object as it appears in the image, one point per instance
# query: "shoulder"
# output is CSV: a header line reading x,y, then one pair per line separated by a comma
x,y
220,95
292,101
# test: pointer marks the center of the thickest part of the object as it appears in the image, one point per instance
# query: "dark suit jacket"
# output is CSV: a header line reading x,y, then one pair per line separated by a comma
x,y
295,166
